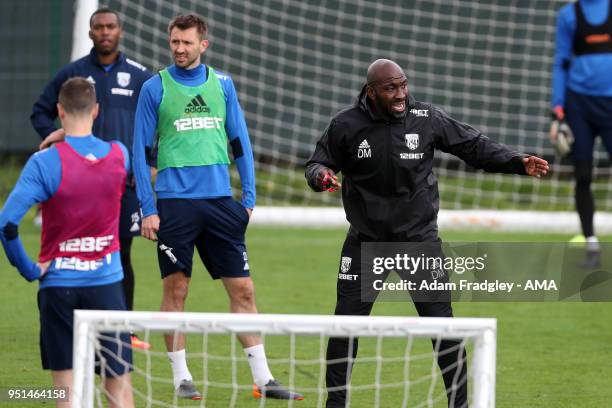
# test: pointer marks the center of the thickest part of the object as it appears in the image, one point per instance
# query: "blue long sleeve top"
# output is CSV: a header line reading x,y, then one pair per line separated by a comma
x,y
194,181
589,74
38,182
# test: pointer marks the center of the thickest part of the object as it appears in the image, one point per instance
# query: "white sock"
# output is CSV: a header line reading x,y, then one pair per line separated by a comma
x,y
180,371
256,356
592,243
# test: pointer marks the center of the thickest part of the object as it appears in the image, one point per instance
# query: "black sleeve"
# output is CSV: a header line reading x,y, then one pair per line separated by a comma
x,y
473,147
326,155
151,156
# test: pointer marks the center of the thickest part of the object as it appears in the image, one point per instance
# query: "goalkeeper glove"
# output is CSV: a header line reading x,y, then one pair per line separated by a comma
x,y
561,135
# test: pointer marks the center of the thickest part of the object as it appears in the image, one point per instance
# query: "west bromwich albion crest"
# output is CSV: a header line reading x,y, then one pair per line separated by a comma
x,y
123,78
412,140
345,266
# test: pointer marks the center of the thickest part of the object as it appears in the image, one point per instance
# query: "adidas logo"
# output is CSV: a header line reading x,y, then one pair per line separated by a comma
x,y
364,150
197,105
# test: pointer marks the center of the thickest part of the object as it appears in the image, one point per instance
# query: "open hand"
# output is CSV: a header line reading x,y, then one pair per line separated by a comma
x,y
535,166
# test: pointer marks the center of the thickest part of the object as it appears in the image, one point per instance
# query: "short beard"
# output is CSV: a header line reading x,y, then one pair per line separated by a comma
x,y
387,112
187,64
398,115
106,52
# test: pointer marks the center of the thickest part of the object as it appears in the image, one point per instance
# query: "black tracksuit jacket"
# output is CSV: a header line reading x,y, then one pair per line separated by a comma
x,y
389,189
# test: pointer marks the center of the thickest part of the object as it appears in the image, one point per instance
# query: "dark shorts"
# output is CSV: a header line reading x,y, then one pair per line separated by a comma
x,y
354,287
589,117
56,306
130,216
215,227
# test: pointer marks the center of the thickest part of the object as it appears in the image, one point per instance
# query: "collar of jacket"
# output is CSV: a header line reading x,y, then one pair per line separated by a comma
x,y
363,104
93,55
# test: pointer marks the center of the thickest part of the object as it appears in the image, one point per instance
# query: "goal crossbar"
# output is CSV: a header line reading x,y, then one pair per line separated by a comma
x,y
482,331
283,324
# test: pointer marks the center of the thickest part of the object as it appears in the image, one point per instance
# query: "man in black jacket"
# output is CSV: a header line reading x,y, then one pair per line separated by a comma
x,y
384,147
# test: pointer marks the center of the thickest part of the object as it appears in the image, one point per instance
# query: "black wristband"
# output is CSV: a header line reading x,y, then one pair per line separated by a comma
x,y
10,231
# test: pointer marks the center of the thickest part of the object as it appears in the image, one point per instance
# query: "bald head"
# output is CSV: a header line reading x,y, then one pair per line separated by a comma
x,y
387,88
382,70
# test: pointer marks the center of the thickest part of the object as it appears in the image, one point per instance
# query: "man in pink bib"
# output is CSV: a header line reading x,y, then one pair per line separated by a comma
x,y
80,183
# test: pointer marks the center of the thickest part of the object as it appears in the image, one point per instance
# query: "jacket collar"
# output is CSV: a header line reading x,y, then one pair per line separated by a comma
x,y
94,57
363,103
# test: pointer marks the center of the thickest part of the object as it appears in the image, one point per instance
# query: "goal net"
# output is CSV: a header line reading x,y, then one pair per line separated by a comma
x,y
396,365
295,64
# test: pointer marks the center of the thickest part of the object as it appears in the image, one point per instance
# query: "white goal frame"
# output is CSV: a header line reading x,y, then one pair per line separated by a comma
x,y
483,331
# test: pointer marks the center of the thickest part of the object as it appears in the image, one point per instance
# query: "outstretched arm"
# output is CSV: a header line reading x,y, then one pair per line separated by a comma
x,y
479,151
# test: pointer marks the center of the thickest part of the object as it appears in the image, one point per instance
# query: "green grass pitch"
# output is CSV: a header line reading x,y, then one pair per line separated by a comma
x,y
548,354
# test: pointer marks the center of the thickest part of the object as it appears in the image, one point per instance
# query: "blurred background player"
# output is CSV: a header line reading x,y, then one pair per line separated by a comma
x,y
79,183
582,96
118,81
195,111
384,146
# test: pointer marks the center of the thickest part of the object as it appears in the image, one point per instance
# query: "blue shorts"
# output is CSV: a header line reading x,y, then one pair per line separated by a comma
x,y
588,117
56,306
129,217
214,226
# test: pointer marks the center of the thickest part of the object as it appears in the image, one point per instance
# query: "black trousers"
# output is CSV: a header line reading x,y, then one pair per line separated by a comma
x,y
451,355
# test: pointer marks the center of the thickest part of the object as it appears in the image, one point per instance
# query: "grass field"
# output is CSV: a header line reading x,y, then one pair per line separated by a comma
x,y
549,354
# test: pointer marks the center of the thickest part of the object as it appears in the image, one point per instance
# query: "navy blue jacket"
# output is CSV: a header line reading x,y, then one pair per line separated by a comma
x,y
117,92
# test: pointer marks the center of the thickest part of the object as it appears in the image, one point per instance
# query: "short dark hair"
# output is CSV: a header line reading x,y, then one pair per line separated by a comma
x,y
77,96
185,21
104,10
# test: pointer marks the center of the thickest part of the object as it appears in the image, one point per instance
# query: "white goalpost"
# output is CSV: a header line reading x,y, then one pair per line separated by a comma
x,y
478,334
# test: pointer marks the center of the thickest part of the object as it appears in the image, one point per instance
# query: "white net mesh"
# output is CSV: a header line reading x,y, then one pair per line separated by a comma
x,y
297,63
396,365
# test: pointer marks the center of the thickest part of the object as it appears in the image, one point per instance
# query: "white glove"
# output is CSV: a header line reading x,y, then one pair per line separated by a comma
x,y
561,135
